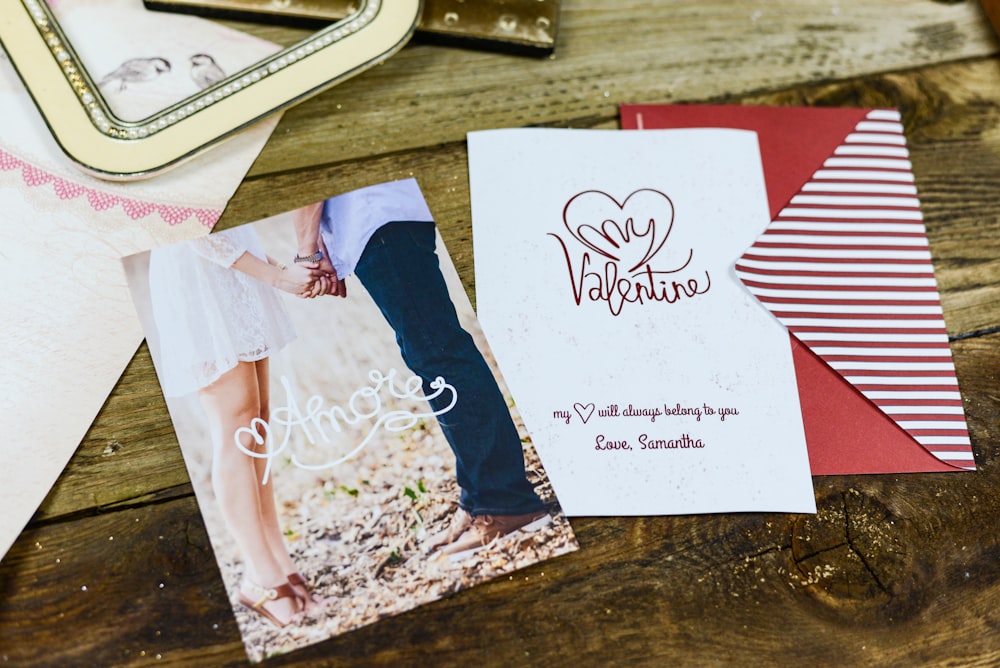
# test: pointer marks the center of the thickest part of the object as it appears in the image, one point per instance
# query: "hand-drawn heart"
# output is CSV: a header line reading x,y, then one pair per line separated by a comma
x,y
630,232
584,411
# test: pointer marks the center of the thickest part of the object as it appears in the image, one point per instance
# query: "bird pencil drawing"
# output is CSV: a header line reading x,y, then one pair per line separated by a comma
x,y
205,71
136,70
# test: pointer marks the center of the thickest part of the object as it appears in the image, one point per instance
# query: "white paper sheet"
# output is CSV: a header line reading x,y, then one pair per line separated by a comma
x,y
69,327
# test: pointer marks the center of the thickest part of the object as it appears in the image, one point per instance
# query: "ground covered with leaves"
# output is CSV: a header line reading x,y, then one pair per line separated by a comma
x,y
362,544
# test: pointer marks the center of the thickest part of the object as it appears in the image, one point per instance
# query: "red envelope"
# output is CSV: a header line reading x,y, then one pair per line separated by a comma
x,y
844,266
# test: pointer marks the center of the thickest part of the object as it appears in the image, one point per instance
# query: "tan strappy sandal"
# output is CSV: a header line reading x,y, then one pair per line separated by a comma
x,y
305,594
265,595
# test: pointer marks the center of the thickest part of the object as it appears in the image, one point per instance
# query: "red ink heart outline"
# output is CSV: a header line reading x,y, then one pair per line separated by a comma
x,y
609,238
584,408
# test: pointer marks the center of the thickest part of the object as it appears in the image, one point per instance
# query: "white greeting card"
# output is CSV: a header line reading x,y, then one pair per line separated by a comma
x,y
651,379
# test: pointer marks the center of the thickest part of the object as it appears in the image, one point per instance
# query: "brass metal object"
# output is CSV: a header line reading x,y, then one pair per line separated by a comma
x,y
515,26
992,9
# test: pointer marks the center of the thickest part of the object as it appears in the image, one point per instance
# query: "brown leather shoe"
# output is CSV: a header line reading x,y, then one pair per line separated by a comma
x,y
460,521
484,530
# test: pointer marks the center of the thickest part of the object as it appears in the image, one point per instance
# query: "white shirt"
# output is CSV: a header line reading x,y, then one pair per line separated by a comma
x,y
350,220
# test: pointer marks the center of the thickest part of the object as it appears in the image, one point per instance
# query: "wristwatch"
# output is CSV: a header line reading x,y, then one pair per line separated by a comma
x,y
315,257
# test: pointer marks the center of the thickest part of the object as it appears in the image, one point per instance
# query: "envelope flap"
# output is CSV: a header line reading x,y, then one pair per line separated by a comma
x,y
845,433
846,267
794,141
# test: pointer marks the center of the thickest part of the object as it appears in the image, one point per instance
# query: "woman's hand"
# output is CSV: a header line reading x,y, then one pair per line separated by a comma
x,y
303,280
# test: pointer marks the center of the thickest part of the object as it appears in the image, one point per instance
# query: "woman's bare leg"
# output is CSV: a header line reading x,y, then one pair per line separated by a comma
x,y
268,507
232,402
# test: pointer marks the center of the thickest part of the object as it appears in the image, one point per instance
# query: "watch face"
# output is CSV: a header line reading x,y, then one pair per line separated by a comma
x,y
76,107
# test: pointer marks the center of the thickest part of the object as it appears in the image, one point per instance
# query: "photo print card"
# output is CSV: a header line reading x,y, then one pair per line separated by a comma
x,y
353,448
651,380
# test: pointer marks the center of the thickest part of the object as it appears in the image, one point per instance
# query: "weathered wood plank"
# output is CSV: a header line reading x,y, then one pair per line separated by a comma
x,y
893,570
115,589
953,117
615,52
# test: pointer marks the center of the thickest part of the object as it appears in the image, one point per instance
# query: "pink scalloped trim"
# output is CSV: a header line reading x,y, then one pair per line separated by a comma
x,y
102,201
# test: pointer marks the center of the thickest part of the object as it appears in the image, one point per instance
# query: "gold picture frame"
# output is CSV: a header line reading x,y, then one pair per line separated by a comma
x,y
108,147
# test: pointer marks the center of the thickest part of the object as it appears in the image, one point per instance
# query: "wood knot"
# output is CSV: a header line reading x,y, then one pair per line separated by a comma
x,y
853,557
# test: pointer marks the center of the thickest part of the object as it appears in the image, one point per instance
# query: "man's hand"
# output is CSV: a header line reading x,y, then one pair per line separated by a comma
x,y
306,221
337,286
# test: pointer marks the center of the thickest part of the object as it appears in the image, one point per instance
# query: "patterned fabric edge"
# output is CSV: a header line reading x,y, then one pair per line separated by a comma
x,y
172,214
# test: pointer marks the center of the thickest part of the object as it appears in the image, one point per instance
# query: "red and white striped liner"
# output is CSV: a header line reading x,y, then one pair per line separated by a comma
x,y
846,268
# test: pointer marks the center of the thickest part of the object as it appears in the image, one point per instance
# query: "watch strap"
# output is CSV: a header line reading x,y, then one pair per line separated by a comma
x,y
315,257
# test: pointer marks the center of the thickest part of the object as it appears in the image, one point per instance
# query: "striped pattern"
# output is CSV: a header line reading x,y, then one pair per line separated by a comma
x,y
846,268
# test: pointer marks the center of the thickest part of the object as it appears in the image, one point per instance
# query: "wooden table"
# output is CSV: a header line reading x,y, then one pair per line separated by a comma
x,y
899,570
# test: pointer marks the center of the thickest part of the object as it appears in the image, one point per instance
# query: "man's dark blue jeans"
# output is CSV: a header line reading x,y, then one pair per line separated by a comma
x,y
399,268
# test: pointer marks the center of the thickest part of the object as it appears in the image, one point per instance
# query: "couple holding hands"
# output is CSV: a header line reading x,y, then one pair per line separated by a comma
x,y
219,317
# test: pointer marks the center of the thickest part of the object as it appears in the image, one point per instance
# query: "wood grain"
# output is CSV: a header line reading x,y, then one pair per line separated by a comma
x,y
899,570
614,52
960,213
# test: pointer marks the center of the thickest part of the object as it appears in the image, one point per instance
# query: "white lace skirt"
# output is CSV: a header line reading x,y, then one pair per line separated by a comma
x,y
209,316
